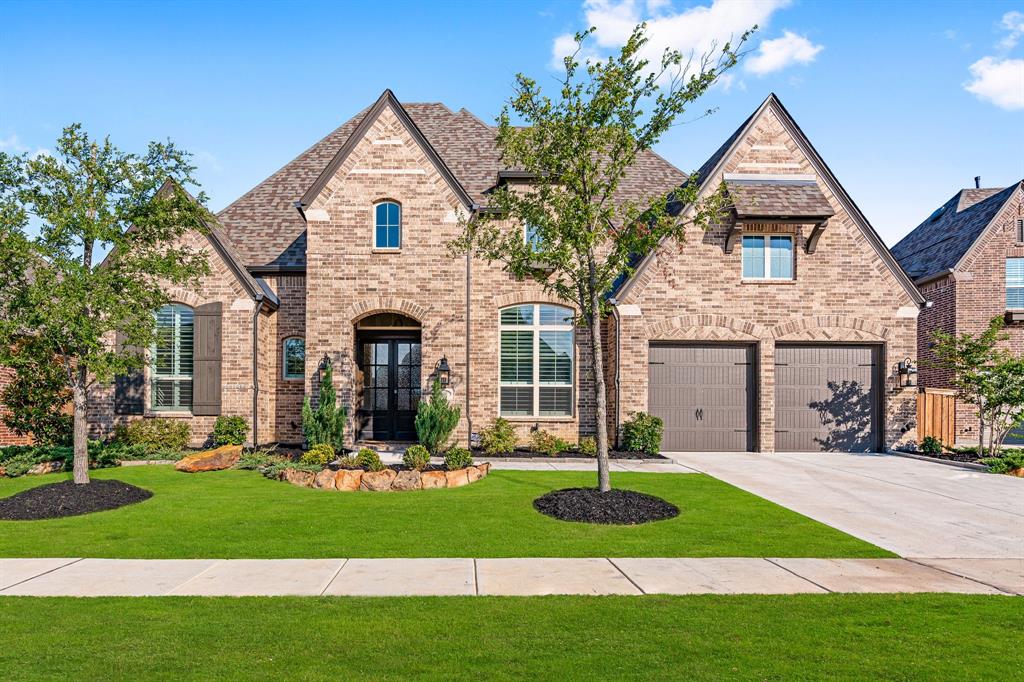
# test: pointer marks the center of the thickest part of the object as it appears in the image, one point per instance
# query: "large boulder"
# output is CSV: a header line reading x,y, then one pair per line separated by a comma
x,y
45,468
224,457
378,480
484,468
324,480
457,478
348,479
473,474
407,480
433,479
297,477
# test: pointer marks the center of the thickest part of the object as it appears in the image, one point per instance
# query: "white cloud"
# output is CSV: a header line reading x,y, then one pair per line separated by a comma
x,y
696,30
1014,23
13,145
778,53
999,81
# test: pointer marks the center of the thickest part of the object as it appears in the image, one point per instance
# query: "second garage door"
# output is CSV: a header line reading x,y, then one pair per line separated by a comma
x,y
704,395
826,398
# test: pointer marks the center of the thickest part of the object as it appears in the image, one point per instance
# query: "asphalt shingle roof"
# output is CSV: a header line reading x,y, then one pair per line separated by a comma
x,y
938,244
753,199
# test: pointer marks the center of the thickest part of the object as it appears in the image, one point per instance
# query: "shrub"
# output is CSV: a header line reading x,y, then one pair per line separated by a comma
x,y
499,439
348,462
37,395
588,446
320,454
368,459
931,445
230,430
435,420
19,464
642,433
18,459
416,457
1005,464
154,434
546,443
325,424
258,459
457,458
274,469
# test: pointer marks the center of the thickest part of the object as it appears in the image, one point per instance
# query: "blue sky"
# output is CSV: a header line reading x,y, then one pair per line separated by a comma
x,y
906,102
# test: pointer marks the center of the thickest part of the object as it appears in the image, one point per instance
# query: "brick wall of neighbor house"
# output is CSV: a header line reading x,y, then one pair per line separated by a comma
x,y
981,295
843,292
236,369
8,437
348,279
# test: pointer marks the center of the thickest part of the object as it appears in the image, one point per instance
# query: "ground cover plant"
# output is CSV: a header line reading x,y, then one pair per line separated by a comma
x,y
238,514
750,637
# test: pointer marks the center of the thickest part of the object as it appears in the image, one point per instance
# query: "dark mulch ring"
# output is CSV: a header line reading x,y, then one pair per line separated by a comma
x,y
56,500
522,452
621,507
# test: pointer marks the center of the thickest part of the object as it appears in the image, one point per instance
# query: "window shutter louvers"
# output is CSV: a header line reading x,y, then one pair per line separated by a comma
x,y
206,367
129,389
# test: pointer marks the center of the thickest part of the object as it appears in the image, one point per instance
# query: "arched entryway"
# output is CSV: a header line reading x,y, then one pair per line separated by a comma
x,y
388,358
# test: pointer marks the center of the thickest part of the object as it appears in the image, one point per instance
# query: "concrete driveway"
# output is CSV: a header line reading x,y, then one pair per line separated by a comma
x,y
910,507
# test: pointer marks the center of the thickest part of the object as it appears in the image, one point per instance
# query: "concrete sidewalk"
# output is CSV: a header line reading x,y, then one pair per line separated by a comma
x,y
468,577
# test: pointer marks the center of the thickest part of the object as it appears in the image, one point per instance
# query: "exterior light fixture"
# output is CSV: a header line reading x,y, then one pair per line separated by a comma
x,y
443,372
907,373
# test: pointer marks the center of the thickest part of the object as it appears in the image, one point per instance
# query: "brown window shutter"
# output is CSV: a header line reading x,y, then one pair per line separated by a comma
x,y
206,361
129,389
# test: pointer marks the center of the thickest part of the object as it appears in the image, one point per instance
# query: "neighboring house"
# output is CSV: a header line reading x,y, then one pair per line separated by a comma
x,y
779,330
967,258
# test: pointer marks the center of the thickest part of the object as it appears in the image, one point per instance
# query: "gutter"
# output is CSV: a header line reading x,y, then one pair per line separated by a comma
x,y
257,309
618,367
474,210
931,278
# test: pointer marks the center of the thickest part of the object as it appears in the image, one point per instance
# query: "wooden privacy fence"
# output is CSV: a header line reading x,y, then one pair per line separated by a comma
x,y
936,415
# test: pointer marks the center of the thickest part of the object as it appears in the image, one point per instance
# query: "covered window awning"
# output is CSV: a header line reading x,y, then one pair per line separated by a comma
x,y
794,199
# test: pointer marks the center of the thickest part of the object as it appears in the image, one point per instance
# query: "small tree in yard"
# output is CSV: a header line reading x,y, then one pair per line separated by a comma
x,y
326,423
579,147
987,376
58,214
436,418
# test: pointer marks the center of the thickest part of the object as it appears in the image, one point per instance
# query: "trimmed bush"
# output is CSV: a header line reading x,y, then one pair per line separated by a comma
x,y
435,420
457,458
368,459
588,446
154,434
642,433
499,438
320,454
230,430
546,443
416,457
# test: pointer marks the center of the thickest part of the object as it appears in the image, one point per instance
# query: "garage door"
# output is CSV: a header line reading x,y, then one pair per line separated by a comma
x,y
704,395
826,398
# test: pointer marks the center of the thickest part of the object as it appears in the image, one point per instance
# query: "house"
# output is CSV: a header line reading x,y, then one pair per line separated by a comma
x,y
776,330
967,258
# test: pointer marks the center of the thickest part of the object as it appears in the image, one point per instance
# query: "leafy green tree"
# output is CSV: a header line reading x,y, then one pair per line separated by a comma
x,y
578,148
37,396
58,214
326,423
988,376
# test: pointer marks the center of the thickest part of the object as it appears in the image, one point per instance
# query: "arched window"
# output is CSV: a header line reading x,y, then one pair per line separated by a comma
x,y
388,225
294,358
172,359
536,374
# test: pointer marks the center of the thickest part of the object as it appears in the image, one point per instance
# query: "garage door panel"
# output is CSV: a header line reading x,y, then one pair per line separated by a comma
x,y
826,398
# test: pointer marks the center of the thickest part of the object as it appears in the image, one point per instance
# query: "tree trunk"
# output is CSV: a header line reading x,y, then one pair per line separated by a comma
x,y
601,399
81,441
981,433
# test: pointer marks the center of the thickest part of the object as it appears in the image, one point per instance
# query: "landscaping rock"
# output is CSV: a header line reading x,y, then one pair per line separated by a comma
x,y
45,468
457,478
348,479
484,468
324,480
473,474
300,478
224,457
407,480
378,480
1017,472
434,479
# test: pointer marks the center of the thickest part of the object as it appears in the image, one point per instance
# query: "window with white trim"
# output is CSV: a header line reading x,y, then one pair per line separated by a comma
x,y
387,225
294,358
171,357
536,365
767,256
1015,283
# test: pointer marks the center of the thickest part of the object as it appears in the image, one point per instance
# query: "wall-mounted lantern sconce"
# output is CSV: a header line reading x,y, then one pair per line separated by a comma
x,y
443,372
906,372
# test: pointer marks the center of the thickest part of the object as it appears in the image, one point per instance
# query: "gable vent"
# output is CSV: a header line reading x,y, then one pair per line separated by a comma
x,y
1020,230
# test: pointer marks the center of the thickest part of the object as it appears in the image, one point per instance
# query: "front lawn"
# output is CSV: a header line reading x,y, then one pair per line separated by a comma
x,y
240,514
857,637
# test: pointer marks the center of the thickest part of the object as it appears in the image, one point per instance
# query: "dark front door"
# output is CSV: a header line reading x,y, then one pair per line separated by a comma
x,y
391,387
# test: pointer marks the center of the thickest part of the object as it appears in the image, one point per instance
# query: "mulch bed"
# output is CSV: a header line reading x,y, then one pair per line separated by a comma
x,y
523,453
620,507
56,500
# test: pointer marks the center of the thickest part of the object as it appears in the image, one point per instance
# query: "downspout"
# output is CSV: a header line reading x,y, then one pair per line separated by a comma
x,y
618,368
469,290
256,370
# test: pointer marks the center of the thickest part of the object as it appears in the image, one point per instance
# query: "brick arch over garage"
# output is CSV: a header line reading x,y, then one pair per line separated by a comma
x,y
387,304
831,328
705,328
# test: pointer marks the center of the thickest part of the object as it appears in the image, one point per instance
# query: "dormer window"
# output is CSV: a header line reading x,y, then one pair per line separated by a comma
x,y
768,256
387,225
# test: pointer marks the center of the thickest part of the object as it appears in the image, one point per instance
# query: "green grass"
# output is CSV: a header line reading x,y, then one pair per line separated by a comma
x,y
240,514
862,637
